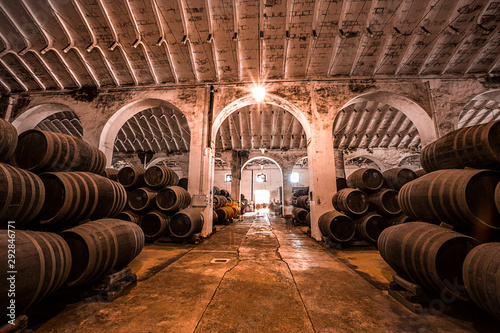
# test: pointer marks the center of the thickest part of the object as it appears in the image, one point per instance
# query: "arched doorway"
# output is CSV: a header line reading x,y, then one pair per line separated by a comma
x,y
50,117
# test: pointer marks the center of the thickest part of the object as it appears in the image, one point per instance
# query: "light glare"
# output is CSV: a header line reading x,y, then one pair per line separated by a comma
x,y
259,93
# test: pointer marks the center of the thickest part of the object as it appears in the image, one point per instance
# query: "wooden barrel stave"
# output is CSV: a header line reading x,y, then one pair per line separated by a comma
x,y
142,198
8,140
23,195
131,177
128,215
384,201
426,254
366,179
370,226
154,224
350,201
336,226
160,176
397,177
186,223
173,199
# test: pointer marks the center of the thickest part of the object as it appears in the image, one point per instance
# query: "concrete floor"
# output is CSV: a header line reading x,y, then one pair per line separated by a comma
x,y
275,279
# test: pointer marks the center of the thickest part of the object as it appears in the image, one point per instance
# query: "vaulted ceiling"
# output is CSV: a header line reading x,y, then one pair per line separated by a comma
x,y
54,44
261,126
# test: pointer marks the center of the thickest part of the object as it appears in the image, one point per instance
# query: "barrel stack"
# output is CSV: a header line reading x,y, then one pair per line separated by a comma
x,y
226,209
301,207
154,197
457,201
369,200
56,183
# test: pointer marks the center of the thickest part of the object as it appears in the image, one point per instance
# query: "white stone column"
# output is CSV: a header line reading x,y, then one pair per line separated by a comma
x,y
287,189
321,173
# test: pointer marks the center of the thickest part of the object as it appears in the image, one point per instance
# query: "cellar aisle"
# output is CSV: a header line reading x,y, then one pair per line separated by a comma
x,y
255,275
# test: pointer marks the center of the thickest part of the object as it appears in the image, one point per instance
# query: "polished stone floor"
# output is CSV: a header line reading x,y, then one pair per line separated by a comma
x,y
259,274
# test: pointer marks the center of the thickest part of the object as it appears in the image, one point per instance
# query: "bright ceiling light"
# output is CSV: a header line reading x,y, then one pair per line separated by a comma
x,y
259,93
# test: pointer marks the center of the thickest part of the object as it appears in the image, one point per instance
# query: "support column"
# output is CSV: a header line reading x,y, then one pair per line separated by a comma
x,y
200,175
238,158
321,173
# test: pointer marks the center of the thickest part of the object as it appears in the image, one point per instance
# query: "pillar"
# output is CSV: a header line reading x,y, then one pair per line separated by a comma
x,y
321,172
200,174
339,163
287,189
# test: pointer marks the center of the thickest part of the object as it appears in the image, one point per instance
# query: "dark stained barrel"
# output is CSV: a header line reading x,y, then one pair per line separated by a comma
x,y
426,254
481,271
308,219
224,193
128,215
400,219
41,151
475,147
43,263
173,199
300,214
370,226
219,201
397,177
385,202
76,196
111,174
303,202
337,226
186,223
160,176
101,246
142,198
216,190
154,225
131,177
21,195
183,182
341,183
366,179
350,201
8,140
462,198
225,213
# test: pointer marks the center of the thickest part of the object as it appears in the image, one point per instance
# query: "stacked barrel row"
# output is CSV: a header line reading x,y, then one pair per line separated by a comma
x,y
158,204
51,181
462,189
365,204
225,208
301,207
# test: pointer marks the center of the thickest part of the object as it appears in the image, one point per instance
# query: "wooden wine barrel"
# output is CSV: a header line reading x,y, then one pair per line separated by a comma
x,y
308,219
43,263
219,201
303,202
397,177
131,177
216,190
128,215
300,214
428,255
183,182
41,151
497,197
142,198
224,193
341,183
475,147
481,271
336,226
100,246
8,140
21,196
366,179
385,202
186,223
160,176
154,225
462,198
350,201
370,226
111,174
76,196
173,199
400,219
225,213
